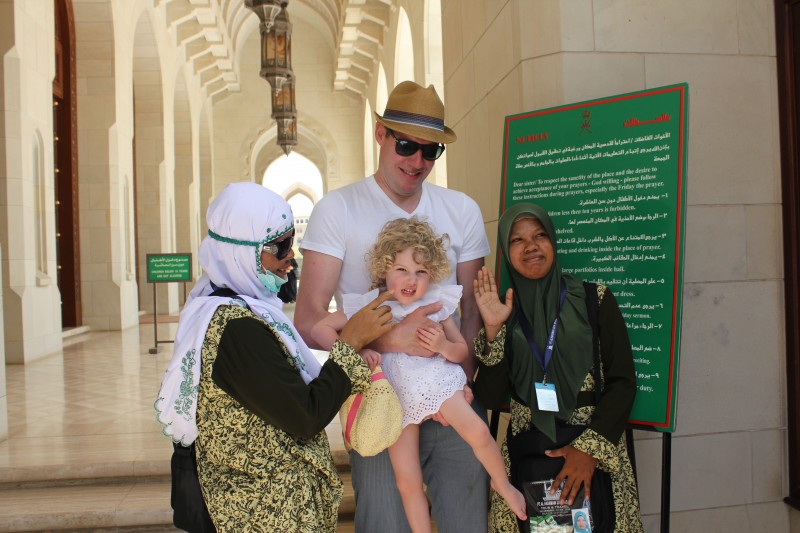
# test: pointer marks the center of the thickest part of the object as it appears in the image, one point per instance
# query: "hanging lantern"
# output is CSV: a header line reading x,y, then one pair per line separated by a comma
x,y
287,133
276,66
266,10
283,103
276,51
285,114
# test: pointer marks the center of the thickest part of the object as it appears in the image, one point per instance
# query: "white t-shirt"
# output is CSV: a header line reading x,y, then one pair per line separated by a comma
x,y
346,221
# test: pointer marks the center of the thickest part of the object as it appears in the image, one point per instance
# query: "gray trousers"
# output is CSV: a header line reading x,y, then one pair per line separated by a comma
x,y
458,486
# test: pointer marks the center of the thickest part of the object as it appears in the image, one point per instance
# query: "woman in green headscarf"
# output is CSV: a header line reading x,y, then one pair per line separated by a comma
x,y
555,308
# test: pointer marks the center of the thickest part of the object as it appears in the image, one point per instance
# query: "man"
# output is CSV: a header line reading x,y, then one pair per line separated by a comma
x,y
411,135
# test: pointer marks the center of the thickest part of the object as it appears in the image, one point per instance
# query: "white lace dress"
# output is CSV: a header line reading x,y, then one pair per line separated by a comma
x,y
421,383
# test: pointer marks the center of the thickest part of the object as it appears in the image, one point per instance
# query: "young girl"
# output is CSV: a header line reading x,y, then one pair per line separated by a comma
x,y
408,258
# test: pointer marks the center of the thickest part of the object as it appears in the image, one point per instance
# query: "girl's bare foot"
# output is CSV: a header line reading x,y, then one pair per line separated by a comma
x,y
513,498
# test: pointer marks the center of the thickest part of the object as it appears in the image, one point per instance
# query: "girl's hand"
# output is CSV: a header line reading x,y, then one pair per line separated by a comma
x,y
493,312
371,357
433,338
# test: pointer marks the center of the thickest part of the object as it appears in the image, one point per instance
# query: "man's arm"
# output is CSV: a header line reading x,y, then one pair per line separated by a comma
x,y
471,324
318,279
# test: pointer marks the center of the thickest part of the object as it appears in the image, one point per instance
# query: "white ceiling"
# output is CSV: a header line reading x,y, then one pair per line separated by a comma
x,y
211,34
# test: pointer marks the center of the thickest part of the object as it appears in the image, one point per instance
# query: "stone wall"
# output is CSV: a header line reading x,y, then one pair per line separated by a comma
x,y
729,461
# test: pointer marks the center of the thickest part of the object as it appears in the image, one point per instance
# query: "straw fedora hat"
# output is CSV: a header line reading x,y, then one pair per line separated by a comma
x,y
418,112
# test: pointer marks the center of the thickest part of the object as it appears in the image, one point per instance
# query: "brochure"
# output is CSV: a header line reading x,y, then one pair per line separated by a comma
x,y
547,515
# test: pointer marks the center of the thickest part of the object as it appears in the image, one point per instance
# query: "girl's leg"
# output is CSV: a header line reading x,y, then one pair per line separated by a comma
x,y
471,428
407,471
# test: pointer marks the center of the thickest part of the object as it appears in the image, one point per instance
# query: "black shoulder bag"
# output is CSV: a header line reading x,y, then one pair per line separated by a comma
x,y
189,511
526,449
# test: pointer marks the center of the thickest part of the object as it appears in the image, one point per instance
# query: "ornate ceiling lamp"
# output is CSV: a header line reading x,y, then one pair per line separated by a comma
x,y
276,50
285,114
276,66
266,10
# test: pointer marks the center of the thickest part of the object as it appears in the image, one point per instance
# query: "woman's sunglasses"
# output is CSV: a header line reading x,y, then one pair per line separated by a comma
x,y
405,148
279,249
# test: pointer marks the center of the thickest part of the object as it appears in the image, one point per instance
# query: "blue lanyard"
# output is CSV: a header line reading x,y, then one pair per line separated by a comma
x,y
544,359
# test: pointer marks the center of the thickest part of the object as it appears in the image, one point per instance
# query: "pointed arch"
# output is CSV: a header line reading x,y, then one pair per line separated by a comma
x,y
315,143
381,96
404,59
302,189
432,27
149,162
382,91
369,139
185,191
293,175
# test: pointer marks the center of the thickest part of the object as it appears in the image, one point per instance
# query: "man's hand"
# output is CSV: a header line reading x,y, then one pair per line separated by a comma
x,y
468,396
403,338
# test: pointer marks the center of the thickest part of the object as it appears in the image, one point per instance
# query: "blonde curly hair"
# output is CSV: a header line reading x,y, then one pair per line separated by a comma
x,y
430,250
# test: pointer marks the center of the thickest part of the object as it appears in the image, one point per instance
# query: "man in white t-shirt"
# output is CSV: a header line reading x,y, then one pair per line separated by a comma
x,y
411,135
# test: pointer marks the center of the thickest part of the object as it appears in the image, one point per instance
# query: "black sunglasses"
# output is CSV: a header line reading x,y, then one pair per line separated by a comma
x,y
405,148
279,249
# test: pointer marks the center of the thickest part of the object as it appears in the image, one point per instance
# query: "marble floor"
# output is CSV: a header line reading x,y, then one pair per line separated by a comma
x,y
90,407
90,403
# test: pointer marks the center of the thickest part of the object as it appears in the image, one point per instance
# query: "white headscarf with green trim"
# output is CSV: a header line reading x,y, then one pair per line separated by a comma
x,y
242,218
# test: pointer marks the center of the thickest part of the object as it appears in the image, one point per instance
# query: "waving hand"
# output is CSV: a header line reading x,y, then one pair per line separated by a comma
x,y
493,312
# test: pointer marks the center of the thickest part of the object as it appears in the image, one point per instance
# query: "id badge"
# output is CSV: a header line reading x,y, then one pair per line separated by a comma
x,y
546,396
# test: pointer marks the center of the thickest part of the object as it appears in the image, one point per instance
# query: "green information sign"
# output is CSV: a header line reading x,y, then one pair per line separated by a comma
x,y
611,172
163,268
